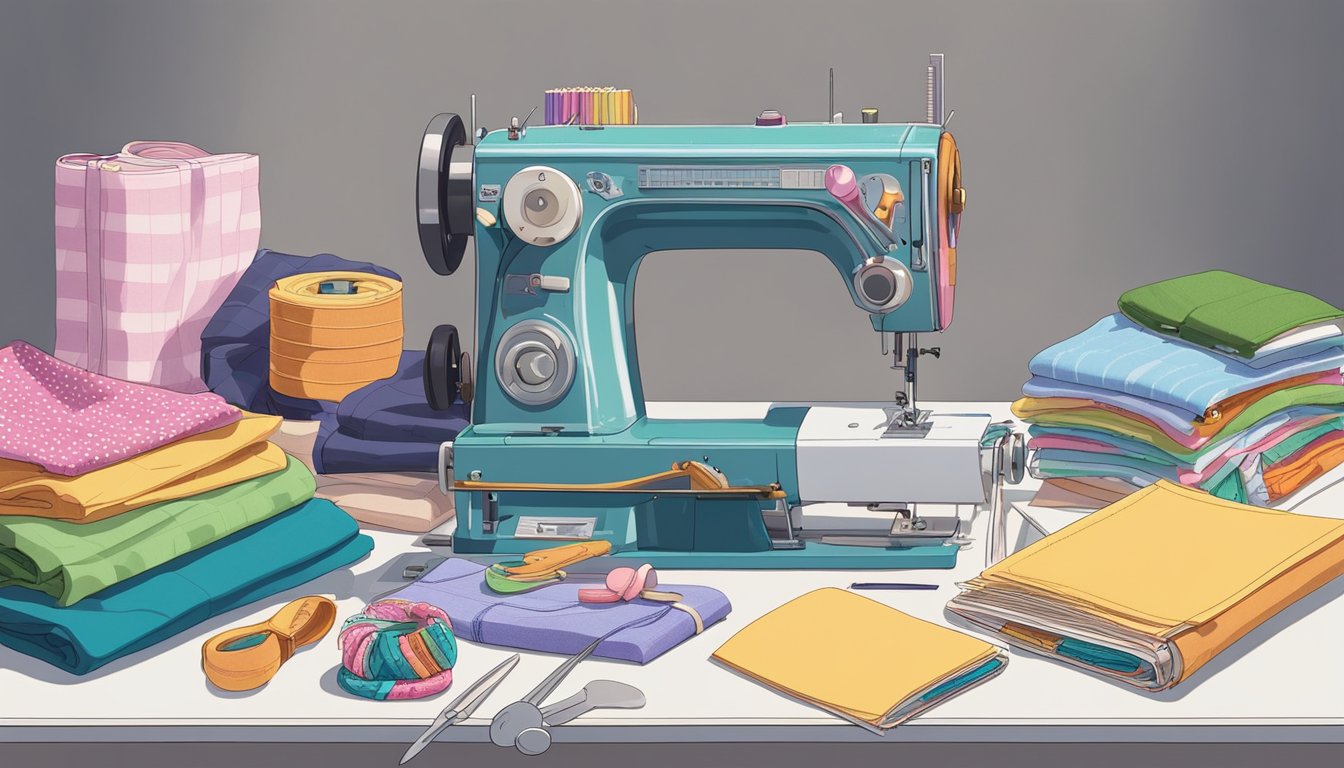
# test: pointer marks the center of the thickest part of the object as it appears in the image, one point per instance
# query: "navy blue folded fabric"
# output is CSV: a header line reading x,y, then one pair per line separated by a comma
x,y
396,410
336,452
290,549
236,343
386,426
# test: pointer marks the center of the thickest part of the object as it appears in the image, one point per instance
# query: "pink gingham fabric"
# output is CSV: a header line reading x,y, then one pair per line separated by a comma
x,y
69,421
149,242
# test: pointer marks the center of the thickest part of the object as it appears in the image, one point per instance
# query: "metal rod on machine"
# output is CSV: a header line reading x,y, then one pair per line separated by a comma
x,y
934,96
830,115
911,374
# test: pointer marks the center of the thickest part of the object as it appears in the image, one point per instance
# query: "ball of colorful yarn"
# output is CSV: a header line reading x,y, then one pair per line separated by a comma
x,y
397,649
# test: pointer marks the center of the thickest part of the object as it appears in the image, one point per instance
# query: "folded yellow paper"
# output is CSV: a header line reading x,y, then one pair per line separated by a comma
x,y
200,463
839,651
1152,587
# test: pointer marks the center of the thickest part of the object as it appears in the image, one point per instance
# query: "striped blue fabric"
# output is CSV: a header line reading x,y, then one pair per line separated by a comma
x,y
1118,355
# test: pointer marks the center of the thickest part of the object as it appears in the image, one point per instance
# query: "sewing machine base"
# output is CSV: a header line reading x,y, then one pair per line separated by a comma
x,y
814,555
690,533
832,453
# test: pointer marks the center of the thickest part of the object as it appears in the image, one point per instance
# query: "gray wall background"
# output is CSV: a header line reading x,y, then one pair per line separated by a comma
x,y
1106,144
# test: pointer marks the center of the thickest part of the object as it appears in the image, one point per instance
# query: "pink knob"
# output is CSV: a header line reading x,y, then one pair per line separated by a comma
x,y
844,186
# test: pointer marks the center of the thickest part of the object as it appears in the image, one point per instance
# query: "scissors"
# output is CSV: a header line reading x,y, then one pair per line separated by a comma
x,y
463,706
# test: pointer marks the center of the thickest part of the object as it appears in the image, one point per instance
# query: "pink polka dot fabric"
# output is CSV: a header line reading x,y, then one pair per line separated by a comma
x,y
70,421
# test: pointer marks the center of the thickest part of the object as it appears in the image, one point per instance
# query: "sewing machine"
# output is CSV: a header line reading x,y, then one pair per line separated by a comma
x,y
560,447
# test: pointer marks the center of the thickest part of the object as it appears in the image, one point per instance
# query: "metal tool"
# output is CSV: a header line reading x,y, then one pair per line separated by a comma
x,y
524,715
463,706
599,694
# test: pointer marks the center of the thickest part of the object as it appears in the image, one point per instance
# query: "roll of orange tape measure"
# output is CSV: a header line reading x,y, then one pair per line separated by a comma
x,y
334,332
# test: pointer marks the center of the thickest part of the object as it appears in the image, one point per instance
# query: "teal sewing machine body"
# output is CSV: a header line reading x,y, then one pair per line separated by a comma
x,y
563,218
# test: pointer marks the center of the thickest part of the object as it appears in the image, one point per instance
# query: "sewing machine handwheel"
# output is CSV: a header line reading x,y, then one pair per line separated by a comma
x,y
447,374
1014,458
444,187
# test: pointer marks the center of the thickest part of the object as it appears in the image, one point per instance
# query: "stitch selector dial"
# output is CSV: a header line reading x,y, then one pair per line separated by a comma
x,y
534,363
542,205
883,285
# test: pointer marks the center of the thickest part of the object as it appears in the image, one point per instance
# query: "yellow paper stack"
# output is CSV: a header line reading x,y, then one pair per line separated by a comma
x,y
839,651
1154,586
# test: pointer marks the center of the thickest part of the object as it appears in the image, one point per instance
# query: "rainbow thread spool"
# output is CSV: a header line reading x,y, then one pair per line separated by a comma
x,y
397,649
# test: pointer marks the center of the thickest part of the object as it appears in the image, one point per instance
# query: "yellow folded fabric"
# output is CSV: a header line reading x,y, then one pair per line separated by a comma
x,y
196,464
1152,587
858,658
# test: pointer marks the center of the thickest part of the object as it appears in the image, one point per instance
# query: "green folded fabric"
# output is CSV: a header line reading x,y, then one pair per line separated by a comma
x,y
71,561
498,580
1230,487
1224,311
1287,448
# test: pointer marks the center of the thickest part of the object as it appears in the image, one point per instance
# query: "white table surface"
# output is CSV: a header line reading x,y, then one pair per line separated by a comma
x,y
1283,682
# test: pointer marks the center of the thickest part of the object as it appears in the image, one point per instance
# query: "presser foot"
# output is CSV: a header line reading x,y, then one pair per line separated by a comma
x,y
904,421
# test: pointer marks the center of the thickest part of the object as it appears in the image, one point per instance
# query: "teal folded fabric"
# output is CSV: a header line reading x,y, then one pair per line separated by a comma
x,y
1106,658
1224,311
288,550
71,561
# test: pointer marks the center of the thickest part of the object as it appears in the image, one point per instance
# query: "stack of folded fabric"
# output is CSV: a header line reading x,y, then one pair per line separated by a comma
x,y
1212,380
378,447
129,513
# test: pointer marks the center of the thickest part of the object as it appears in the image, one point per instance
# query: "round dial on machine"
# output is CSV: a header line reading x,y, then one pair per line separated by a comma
x,y
534,363
447,375
881,193
883,285
542,205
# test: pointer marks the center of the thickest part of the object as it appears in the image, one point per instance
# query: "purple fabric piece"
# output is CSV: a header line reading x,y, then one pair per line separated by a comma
x,y
552,620
236,343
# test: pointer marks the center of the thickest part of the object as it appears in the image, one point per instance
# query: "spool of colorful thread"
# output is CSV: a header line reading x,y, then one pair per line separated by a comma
x,y
397,649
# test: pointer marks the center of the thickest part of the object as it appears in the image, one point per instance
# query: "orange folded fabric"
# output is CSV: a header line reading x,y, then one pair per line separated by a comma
x,y
1211,424
1314,460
